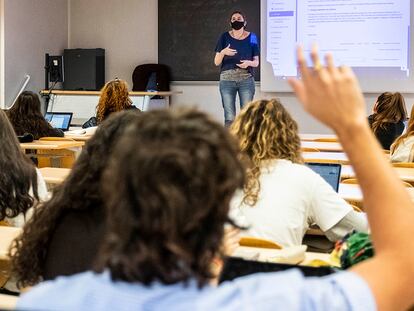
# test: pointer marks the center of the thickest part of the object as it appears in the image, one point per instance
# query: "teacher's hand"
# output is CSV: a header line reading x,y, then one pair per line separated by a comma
x,y
228,51
244,64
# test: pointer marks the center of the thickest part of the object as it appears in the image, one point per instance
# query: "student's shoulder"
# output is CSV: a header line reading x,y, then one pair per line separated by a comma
x,y
290,290
50,294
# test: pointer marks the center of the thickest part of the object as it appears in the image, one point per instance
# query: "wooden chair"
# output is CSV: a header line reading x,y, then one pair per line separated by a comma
x,y
67,157
4,223
403,164
352,181
258,242
309,149
326,140
356,208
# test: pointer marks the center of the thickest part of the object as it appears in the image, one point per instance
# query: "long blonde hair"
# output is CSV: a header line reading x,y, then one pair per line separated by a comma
x,y
409,132
265,131
114,98
389,108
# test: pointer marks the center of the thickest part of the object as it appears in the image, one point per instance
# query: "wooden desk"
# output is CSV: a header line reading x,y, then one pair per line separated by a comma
x,y
146,95
51,145
8,302
54,175
312,137
7,235
404,173
83,138
327,157
322,146
353,193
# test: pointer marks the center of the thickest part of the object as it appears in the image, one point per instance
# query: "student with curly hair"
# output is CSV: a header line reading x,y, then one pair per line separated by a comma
x,y
21,184
64,235
387,121
282,197
26,117
114,97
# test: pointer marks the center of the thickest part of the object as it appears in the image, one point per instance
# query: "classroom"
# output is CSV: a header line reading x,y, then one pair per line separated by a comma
x,y
192,154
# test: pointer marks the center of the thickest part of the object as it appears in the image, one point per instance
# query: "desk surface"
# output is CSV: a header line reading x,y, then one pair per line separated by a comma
x,y
332,157
51,144
7,235
54,175
79,137
404,173
97,93
8,302
323,146
312,137
353,192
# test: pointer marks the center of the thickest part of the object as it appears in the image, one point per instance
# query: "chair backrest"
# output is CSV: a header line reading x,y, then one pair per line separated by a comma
x,y
356,208
350,181
403,164
142,74
309,149
4,223
326,140
257,242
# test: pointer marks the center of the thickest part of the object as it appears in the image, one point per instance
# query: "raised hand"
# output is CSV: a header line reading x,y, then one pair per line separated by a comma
x,y
228,51
330,94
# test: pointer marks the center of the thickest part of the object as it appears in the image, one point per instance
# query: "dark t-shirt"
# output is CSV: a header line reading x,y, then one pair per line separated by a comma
x,y
75,243
247,49
388,134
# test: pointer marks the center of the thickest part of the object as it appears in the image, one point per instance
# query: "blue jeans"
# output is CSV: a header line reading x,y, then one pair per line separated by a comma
x,y
228,91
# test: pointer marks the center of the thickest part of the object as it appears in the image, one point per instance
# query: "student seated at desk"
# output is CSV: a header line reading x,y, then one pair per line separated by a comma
x,y
114,98
387,120
64,235
282,197
168,190
21,184
402,150
26,117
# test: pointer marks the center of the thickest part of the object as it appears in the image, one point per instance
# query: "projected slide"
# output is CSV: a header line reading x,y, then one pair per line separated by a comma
x,y
367,35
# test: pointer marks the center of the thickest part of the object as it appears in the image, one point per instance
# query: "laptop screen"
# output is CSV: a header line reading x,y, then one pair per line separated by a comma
x,y
60,120
331,172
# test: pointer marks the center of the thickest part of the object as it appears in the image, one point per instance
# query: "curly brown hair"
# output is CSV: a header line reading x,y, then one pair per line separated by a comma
x,y
17,174
80,191
265,131
176,172
389,108
114,97
26,117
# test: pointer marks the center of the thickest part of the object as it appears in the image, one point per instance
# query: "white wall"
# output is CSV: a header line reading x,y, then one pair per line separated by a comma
x,y
31,29
128,30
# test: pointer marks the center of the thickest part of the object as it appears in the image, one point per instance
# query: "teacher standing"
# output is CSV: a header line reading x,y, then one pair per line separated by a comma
x,y
237,52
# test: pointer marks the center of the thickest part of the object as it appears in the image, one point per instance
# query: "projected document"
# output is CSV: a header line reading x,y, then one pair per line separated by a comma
x,y
359,33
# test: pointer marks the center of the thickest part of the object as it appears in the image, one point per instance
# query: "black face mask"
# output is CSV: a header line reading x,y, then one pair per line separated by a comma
x,y
237,25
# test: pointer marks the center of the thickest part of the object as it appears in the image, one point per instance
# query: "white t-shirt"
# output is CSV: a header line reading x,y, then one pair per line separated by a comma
x,y
404,152
291,198
20,220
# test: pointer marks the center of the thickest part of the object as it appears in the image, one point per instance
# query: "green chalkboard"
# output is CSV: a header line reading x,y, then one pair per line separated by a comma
x,y
188,31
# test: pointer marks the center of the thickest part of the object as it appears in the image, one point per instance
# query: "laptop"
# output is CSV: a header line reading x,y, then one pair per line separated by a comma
x,y
59,120
331,172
